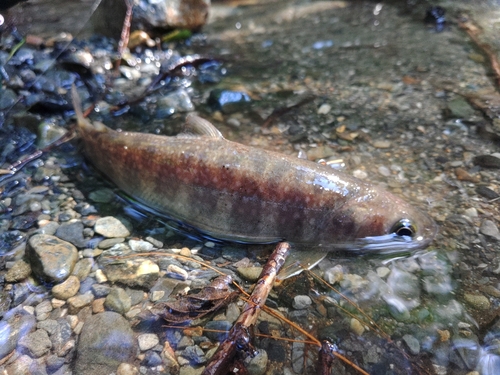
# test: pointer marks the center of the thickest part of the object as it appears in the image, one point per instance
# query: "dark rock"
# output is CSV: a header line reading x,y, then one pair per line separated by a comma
x,y
487,161
106,341
486,192
61,334
51,258
73,233
222,326
194,355
100,290
54,363
118,300
151,359
227,101
5,301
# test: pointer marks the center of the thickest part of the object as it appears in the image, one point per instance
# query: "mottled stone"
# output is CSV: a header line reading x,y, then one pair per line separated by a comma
x,y
250,273
106,341
51,258
83,268
258,364
140,245
118,300
477,301
133,273
75,304
19,271
301,302
110,226
147,341
66,289
36,344
72,232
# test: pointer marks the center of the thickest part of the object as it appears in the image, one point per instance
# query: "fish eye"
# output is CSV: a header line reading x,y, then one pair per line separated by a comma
x,y
404,227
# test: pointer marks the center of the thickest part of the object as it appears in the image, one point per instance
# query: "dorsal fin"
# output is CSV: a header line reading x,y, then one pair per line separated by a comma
x,y
199,126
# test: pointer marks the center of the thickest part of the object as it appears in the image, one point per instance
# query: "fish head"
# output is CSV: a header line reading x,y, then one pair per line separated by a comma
x,y
385,223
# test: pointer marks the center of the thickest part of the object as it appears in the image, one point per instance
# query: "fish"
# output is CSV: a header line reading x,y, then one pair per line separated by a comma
x,y
237,193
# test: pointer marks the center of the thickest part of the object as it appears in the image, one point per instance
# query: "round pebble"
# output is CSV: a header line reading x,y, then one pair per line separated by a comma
x,y
110,226
147,341
66,289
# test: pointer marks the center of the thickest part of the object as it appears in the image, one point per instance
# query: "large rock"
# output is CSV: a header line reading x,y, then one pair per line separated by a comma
x,y
51,258
171,14
106,341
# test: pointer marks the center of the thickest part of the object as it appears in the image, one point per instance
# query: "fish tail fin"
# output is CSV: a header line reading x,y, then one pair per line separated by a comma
x,y
83,123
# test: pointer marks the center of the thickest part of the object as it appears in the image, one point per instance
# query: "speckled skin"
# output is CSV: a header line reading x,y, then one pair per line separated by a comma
x,y
234,192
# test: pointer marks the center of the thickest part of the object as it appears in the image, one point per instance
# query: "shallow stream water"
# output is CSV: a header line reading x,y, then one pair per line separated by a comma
x,y
397,102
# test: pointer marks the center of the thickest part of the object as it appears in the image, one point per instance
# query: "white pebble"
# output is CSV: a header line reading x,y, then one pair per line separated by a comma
x,y
358,173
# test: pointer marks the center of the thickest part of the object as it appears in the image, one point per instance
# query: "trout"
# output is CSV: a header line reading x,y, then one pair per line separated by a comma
x,y
233,192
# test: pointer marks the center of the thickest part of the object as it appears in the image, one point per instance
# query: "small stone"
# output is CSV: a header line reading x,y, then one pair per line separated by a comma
x,y
36,343
72,232
19,271
251,274
110,226
383,272
118,300
100,276
381,143
177,272
185,252
490,229
133,273
357,327
334,275
301,302
384,171
66,289
258,364
102,195
194,355
127,369
110,242
471,212
412,343
147,341
43,309
98,305
140,245
477,301
459,108
83,268
51,258
358,173
75,304
324,109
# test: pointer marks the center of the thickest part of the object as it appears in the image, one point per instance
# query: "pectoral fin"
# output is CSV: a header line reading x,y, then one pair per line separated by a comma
x,y
298,261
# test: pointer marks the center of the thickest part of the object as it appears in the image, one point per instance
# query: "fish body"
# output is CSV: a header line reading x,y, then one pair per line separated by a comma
x,y
230,191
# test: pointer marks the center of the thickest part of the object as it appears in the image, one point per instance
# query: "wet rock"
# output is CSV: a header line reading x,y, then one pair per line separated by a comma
x,y
66,289
177,14
177,272
82,268
477,301
194,355
490,229
51,258
357,327
487,192
106,341
36,344
258,364
43,309
75,304
147,341
301,302
133,273
219,330
61,335
21,366
151,359
73,233
227,101
118,300
251,274
140,245
5,301
110,242
102,195
334,274
412,344
162,290
19,271
127,369
54,363
50,325
111,227
177,101
487,161
459,108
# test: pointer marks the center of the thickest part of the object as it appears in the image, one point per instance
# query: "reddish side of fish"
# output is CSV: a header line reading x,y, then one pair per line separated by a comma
x,y
235,192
